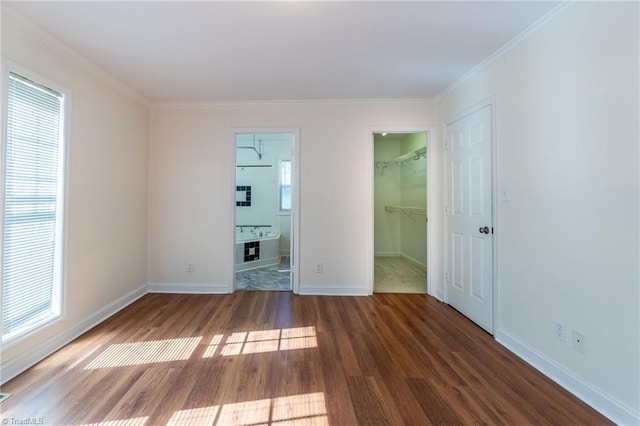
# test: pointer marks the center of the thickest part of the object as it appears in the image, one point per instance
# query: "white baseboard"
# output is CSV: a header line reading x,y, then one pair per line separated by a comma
x,y
438,295
189,288
601,402
414,261
15,366
386,254
402,255
309,290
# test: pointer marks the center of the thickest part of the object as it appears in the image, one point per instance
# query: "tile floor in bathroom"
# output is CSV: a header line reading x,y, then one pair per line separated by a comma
x,y
392,275
271,278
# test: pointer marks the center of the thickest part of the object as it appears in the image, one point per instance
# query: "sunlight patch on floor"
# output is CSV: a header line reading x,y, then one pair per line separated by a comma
x,y
136,421
194,416
125,354
305,409
251,342
82,358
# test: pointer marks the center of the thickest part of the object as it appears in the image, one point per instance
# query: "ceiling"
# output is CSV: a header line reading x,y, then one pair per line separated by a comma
x,y
260,51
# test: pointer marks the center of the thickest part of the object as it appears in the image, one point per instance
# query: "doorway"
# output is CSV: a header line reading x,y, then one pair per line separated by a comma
x,y
265,208
400,212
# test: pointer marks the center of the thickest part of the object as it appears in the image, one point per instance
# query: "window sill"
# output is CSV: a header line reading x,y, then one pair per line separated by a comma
x,y
25,332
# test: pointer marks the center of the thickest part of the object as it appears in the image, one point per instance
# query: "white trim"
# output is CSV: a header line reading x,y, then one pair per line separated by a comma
x,y
17,365
491,102
386,254
403,256
414,261
553,15
212,104
333,290
59,296
605,404
294,237
34,32
445,218
40,34
188,288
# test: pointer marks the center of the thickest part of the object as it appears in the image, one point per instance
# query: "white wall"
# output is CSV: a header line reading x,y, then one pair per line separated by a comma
x,y
192,197
107,190
567,140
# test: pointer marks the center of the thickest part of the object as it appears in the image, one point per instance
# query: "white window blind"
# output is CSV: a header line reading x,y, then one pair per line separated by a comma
x,y
31,255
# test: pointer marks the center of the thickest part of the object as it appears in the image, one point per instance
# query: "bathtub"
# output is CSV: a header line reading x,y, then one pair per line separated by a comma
x,y
257,249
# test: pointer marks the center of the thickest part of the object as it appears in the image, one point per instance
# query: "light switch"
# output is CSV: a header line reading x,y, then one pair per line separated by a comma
x,y
506,193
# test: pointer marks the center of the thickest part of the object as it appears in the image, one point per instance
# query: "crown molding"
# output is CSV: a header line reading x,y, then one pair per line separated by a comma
x,y
553,15
36,33
211,104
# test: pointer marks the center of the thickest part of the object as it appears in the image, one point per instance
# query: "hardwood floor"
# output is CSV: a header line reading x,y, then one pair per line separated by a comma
x,y
274,358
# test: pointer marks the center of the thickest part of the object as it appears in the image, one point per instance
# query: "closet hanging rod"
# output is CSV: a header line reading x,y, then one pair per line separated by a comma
x,y
413,155
421,211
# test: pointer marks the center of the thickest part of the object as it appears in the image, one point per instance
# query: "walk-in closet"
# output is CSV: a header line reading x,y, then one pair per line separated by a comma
x,y
400,213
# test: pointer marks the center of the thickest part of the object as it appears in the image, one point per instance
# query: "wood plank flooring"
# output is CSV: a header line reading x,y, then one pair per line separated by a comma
x,y
273,358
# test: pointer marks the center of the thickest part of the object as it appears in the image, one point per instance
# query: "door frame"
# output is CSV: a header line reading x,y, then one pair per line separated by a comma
x,y
431,288
294,248
492,103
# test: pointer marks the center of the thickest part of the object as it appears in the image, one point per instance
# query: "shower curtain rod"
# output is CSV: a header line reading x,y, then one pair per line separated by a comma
x,y
258,151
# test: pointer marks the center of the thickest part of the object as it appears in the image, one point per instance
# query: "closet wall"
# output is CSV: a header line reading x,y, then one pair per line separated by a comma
x,y
400,184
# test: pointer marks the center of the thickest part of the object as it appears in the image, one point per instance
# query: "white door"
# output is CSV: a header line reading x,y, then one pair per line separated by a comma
x,y
469,276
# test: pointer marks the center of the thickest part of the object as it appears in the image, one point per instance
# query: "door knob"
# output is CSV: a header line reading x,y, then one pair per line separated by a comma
x,y
484,230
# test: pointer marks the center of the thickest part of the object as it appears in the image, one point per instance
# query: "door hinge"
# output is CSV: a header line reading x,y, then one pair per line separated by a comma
x,y
446,277
446,210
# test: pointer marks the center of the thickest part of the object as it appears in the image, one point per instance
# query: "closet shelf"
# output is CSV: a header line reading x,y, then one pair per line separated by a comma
x,y
411,211
413,155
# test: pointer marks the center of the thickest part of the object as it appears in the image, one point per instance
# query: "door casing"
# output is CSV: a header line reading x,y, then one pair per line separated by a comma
x,y
295,206
371,243
495,207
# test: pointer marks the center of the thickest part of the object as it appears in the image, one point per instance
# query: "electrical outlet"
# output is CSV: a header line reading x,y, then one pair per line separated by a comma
x,y
319,267
560,331
579,341
191,266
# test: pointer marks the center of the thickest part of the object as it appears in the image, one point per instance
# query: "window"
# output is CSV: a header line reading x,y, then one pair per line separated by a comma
x,y
32,207
285,185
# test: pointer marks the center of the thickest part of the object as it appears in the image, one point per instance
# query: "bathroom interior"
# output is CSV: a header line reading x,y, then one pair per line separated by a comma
x,y
263,211
400,213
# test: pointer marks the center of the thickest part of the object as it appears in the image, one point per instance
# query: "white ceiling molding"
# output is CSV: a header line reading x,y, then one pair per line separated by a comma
x,y
189,104
553,15
34,32
279,51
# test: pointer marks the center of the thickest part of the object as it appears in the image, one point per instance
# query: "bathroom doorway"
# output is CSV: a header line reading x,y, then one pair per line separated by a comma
x,y
400,212
265,209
